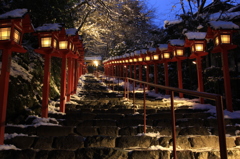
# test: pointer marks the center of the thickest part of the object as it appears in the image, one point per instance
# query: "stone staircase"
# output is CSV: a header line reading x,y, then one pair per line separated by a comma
x,y
113,130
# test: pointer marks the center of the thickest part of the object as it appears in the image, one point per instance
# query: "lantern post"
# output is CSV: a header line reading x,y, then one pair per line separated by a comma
x,y
12,29
147,61
221,32
197,42
155,59
48,36
178,55
166,55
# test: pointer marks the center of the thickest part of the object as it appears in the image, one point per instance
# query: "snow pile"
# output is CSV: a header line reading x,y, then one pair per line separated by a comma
x,y
17,13
226,15
50,27
71,31
8,147
196,35
151,134
223,25
163,47
10,136
177,42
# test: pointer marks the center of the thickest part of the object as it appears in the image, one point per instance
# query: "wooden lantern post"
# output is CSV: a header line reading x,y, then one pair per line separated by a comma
x,y
147,61
221,32
155,59
48,36
178,55
12,29
196,41
166,56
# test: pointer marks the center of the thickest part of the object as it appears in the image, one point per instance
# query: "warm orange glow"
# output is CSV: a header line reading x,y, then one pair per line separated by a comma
x,y
46,41
55,43
5,33
135,59
140,59
155,57
199,47
216,41
63,44
16,36
225,39
147,58
178,52
166,55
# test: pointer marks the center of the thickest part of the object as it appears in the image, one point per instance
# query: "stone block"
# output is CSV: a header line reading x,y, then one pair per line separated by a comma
x,y
68,142
237,141
182,142
129,122
114,116
105,122
100,141
162,123
144,154
128,131
61,154
101,153
42,154
43,143
185,154
194,131
210,141
164,141
87,130
185,122
135,141
204,141
108,130
54,130
22,142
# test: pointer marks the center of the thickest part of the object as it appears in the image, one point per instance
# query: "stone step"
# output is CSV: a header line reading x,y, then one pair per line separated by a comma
x,y
74,142
115,153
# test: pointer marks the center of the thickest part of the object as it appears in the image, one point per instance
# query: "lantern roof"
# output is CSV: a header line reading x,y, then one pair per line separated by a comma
x,y
163,47
137,52
71,31
144,51
152,49
223,25
196,35
50,27
177,42
17,13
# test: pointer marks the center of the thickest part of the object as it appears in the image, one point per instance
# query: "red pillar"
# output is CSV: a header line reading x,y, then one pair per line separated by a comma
x,y
46,85
227,84
69,85
63,84
72,76
140,74
156,76
147,75
179,68
135,74
130,74
4,82
76,76
166,76
126,70
200,77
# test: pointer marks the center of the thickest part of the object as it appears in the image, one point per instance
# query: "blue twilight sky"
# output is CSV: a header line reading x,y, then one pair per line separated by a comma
x,y
166,9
